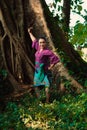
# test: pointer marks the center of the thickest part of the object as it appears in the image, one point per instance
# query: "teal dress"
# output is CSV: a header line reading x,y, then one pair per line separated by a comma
x,y
41,77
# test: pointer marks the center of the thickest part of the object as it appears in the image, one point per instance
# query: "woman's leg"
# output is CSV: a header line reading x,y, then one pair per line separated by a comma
x,y
37,91
47,94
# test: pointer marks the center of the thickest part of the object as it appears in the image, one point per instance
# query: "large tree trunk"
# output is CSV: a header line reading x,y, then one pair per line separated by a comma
x,y
18,57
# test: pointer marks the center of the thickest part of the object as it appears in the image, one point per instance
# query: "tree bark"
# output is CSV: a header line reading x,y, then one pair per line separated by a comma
x,y
66,15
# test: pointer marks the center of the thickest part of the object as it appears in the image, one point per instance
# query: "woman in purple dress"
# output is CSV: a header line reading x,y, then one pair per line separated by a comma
x,y
45,59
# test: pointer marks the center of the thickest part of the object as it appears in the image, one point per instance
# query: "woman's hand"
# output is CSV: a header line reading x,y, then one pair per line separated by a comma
x,y
50,67
33,38
30,29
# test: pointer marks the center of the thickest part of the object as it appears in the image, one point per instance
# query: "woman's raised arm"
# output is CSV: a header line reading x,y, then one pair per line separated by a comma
x,y
33,38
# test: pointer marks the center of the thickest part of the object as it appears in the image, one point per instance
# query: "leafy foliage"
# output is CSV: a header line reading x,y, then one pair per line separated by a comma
x,y
69,112
76,6
57,7
79,36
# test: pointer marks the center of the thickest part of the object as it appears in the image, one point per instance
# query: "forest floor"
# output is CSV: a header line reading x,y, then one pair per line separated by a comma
x,y
23,111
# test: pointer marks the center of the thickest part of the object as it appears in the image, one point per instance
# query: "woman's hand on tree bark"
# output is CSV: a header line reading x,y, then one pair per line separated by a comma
x,y
30,29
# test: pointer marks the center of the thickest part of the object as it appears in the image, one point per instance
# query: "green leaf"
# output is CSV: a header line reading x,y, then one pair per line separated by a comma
x,y
79,8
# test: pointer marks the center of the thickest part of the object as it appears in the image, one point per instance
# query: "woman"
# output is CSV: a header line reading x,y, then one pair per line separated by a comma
x,y
45,59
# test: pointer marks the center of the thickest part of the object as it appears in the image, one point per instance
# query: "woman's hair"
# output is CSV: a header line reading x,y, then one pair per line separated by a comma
x,y
42,37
